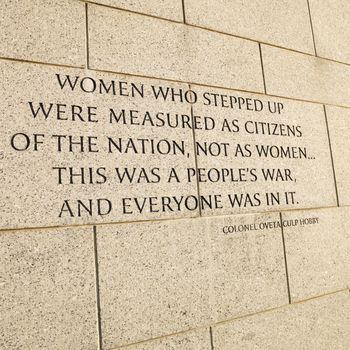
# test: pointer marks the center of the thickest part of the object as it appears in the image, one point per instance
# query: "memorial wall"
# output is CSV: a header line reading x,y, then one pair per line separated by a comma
x,y
175,174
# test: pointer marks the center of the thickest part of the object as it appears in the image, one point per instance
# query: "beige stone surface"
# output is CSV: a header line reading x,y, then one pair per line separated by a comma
x,y
318,251
170,9
153,280
136,44
33,192
283,23
43,30
247,271
194,340
47,292
331,24
237,180
339,131
304,77
166,277
318,324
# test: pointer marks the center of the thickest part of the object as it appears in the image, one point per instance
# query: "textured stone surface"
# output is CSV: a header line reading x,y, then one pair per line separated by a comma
x,y
282,23
166,277
33,193
43,30
237,127
339,131
248,271
171,9
319,324
135,44
153,280
331,24
47,292
173,275
195,340
295,75
318,251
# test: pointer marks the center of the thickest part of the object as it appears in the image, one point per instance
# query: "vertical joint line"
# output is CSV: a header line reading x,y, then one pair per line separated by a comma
x,y
86,36
331,153
183,11
97,289
285,260
195,157
211,338
262,68
312,27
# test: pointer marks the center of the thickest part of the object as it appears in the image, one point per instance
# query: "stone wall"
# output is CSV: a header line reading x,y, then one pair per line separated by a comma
x,y
175,174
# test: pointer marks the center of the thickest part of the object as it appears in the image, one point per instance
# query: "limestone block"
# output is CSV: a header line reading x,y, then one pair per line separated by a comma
x,y
331,24
318,251
153,280
51,31
170,9
248,271
304,77
167,277
47,289
339,131
194,340
282,23
318,324
136,44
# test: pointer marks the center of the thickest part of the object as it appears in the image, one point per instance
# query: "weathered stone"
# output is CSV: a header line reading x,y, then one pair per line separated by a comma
x,y
339,132
304,77
171,50
194,340
171,9
48,31
318,324
281,23
331,24
247,266
317,251
167,277
47,291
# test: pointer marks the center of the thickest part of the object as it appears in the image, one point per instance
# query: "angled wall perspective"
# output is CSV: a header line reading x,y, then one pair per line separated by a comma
x,y
175,175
